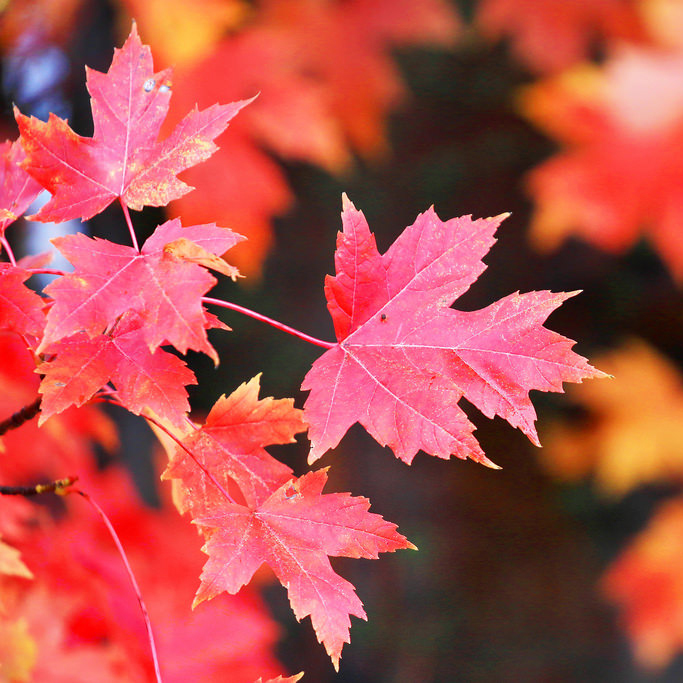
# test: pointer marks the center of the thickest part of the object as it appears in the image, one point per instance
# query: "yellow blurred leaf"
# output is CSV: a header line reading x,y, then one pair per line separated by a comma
x,y
634,431
183,32
17,652
10,562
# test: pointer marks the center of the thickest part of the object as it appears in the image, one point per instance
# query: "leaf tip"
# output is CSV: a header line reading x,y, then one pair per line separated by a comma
x,y
347,204
313,455
490,464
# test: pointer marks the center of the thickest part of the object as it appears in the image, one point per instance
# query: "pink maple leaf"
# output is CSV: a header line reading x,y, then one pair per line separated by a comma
x,y
158,283
123,159
405,358
293,531
17,188
143,379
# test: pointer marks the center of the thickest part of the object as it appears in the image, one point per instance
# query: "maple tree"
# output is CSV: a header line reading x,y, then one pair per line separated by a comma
x,y
402,361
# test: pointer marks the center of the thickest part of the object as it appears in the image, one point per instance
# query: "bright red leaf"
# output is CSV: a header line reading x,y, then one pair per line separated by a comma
x,y
17,188
64,444
230,445
404,358
159,283
21,309
123,158
143,379
293,531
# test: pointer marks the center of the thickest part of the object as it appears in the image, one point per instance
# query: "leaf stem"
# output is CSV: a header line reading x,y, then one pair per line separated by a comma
x,y
270,321
210,476
131,576
46,271
129,223
8,249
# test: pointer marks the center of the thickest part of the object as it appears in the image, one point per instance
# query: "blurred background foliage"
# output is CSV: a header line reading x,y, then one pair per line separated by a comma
x,y
565,565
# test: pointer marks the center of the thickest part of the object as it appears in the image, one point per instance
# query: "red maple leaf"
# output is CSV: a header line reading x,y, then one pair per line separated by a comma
x,y
404,358
21,309
162,283
17,188
285,522
293,531
143,379
123,158
230,445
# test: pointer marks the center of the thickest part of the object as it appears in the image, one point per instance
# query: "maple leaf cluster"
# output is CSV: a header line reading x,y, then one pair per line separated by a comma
x,y
327,82
402,361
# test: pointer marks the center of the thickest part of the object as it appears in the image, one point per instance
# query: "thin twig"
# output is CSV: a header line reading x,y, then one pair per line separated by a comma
x,y
60,487
131,576
210,476
24,415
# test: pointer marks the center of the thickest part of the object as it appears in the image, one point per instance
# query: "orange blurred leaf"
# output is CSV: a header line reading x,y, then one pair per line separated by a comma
x,y
621,172
647,584
633,434
327,83
183,32
550,35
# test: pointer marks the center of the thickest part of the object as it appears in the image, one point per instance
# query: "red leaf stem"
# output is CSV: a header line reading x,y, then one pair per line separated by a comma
x,y
210,476
270,321
131,576
46,271
8,249
129,223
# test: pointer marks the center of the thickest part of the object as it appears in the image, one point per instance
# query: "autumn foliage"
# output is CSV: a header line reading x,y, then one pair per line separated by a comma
x,y
114,330
609,98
